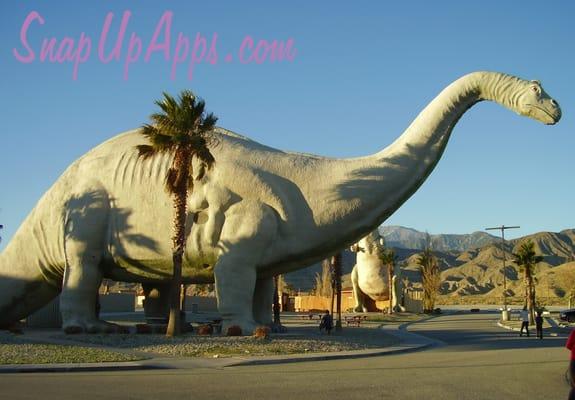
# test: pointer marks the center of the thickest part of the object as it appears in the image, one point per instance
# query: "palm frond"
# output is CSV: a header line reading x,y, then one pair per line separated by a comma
x,y
171,181
205,155
149,130
168,104
166,124
146,151
208,123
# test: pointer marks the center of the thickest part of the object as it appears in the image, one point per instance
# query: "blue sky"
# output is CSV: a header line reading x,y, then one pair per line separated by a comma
x,y
362,71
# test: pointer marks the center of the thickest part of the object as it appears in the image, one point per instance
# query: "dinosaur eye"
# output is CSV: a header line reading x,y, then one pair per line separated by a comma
x,y
535,89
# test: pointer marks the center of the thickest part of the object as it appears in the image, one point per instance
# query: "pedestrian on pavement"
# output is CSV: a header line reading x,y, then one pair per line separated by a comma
x,y
571,346
326,322
539,324
524,322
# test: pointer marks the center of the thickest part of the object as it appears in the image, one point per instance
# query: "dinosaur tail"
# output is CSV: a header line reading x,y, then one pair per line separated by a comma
x,y
25,285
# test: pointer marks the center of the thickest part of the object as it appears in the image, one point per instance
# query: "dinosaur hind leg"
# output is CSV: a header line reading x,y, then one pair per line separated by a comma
x,y
263,301
85,244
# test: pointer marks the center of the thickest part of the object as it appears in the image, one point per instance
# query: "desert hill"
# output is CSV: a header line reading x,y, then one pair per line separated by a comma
x,y
471,264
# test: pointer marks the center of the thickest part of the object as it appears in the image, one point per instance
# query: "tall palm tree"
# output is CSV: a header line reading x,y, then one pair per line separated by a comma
x,y
388,258
182,129
526,259
337,272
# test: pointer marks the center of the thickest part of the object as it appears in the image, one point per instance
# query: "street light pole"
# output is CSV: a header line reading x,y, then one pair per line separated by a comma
x,y
502,228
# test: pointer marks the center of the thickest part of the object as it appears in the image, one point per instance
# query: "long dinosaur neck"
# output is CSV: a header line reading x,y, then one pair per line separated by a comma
x,y
381,183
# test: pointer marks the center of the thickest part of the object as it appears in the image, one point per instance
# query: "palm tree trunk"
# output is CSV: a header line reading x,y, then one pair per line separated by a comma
x,y
333,283
389,288
529,292
276,306
178,243
337,268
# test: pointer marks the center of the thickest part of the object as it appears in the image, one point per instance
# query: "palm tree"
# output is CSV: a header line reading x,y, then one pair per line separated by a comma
x,y
388,258
182,129
430,277
526,259
336,279
276,304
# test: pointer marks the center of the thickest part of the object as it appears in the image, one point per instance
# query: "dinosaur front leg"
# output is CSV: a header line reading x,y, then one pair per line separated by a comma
x,y
246,235
235,278
82,279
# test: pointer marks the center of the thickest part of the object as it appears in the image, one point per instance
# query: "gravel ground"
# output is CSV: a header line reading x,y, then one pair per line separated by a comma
x,y
298,340
303,336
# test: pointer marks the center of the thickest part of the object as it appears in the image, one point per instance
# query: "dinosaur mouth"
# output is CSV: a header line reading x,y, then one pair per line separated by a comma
x,y
554,118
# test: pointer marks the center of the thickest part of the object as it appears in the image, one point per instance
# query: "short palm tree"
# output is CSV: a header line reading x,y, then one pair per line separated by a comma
x,y
527,260
184,130
430,277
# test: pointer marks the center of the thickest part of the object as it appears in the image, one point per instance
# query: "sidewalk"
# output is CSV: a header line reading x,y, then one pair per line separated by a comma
x,y
408,342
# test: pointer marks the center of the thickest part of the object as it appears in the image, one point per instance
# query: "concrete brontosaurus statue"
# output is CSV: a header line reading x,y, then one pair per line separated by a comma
x,y
260,212
369,275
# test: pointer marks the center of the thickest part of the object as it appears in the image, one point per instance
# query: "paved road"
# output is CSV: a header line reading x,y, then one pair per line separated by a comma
x,y
478,360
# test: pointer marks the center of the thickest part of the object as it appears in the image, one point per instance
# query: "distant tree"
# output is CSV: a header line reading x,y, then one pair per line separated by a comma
x,y
430,276
323,281
283,286
569,282
388,258
527,261
184,130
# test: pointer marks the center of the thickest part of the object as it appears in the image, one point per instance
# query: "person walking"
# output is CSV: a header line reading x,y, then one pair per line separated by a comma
x,y
326,322
571,346
539,325
524,322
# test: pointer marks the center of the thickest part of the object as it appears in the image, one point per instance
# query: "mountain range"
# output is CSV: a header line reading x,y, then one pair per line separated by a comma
x,y
407,238
470,264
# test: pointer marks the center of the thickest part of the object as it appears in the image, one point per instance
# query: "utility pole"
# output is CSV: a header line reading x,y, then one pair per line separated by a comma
x,y
502,228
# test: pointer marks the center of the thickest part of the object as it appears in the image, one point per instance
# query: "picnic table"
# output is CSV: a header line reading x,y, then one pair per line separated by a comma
x,y
355,320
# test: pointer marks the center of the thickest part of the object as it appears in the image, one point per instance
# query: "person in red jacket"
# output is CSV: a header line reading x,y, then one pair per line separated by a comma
x,y
571,346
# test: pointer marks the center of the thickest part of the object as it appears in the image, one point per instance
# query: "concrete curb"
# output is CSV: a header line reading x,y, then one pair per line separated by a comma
x,y
116,366
507,327
409,342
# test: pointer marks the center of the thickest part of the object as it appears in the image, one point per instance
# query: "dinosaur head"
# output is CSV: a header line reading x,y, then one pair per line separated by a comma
x,y
535,103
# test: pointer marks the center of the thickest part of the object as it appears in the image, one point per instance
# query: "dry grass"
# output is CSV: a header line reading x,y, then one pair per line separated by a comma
x,y
17,350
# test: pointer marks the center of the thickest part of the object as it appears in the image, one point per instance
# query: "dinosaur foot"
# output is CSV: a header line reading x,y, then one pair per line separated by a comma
x,y
13,327
359,309
92,326
229,327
